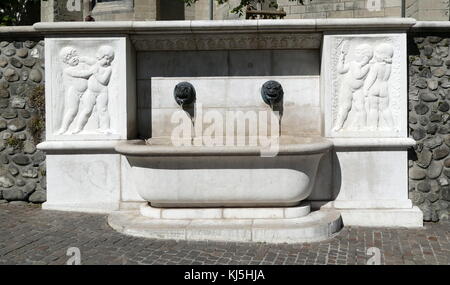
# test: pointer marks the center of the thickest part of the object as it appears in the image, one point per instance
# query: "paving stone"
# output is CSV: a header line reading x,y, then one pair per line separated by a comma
x,y
53,232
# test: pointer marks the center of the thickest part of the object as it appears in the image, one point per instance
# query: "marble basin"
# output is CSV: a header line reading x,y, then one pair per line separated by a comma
x,y
224,176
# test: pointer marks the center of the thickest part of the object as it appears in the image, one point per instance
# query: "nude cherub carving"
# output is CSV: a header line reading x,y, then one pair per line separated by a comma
x,y
75,78
376,87
86,81
97,91
353,75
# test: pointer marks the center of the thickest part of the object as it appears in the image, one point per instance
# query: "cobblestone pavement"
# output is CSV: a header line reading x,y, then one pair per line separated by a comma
x,y
29,235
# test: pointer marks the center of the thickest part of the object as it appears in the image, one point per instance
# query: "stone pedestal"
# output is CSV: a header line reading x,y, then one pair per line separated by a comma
x,y
365,102
90,105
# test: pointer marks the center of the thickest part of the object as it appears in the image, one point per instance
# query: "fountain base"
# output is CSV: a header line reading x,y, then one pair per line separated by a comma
x,y
271,225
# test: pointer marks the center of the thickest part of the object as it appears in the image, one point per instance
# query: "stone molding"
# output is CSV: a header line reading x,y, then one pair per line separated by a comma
x,y
301,25
227,41
190,27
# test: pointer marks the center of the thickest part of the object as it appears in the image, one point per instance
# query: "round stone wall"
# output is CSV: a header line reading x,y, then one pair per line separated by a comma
x,y
429,124
22,166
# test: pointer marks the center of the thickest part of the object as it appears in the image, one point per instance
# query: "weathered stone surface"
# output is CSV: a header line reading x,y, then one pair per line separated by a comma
x,y
36,75
3,62
39,196
23,52
435,117
424,158
9,52
35,53
29,62
439,72
29,44
38,158
435,62
43,182
14,194
434,39
432,129
440,152
433,84
421,83
419,134
24,114
19,203
13,170
417,198
29,188
24,75
3,125
421,109
15,62
417,173
447,140
417,61
447,162
4,158
6,182
18,102
30,173
20,182
21,136
9,113
444,106
428,97
435,169
443,181
442,51
11,75
423,186
29,147
21,159
425,73
432,197
4,93
443,130
424,120
445,84
17,125
433,142
427,50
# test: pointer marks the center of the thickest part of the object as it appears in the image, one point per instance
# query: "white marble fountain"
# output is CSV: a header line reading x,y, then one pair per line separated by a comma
x,y
264,130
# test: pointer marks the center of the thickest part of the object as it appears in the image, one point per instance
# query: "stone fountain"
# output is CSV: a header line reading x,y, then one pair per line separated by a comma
x,y
273,131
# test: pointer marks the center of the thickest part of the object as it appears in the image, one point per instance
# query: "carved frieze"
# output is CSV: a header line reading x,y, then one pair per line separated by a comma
x,y
366,78
86,84
227,41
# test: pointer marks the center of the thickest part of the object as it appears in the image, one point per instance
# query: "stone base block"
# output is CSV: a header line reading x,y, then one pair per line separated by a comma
x,y
409,218
317,226
225,213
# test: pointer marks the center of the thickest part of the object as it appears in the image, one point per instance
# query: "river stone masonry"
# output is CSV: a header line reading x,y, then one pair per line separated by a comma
x,y
429,124
22,166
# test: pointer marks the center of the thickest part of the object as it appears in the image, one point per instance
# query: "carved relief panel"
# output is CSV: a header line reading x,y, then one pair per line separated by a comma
x,y
87,88
365,85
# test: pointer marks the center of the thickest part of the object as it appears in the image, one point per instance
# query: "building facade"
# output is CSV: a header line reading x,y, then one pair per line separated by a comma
x,y
150,10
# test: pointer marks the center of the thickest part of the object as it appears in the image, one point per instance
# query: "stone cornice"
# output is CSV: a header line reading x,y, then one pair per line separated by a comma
x,y
226,26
